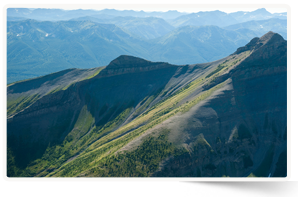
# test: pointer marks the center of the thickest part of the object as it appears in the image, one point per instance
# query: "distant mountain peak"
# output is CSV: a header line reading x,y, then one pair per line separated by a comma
x,y
261,10
127,61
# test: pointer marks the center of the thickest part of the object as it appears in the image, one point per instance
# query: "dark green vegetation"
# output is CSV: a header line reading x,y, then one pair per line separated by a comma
x,y
141,162
141,118
43,41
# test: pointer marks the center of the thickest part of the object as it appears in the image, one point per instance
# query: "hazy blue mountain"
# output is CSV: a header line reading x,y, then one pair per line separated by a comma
x,y
260,27
171,14
190,44
166,15
222,19
60,14
38,48
146,28
101,18
217,18
15,18
282,15
44,14
174,17
259,14
18,12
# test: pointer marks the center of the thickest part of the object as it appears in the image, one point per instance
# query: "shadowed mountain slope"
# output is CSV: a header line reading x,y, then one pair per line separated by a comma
x,y
244,122
142,118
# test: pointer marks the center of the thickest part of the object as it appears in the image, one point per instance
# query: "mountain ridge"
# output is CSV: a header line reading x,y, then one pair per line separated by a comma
x,y
129,64
256,42
92,44
222,118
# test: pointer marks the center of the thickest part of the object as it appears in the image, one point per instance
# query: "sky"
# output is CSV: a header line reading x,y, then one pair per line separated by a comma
x,y
161,6
191,10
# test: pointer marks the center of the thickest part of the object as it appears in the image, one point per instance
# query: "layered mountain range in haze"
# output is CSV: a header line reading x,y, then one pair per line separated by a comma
x,y
43,41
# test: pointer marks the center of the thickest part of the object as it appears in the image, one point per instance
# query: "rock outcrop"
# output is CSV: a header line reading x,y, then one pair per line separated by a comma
x,y
245,122
129,64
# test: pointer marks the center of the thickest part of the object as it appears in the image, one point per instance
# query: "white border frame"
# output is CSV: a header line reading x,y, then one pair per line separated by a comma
x,y
172,6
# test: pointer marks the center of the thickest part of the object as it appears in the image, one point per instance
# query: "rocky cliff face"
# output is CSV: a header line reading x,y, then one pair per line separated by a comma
x,y
128,64
244,122
122,85
236,125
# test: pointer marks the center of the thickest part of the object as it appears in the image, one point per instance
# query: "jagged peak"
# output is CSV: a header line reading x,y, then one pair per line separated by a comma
x,y
270,36
256,42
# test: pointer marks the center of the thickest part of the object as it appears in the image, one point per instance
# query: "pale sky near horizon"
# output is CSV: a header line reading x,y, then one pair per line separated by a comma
x,y
189,6
180,8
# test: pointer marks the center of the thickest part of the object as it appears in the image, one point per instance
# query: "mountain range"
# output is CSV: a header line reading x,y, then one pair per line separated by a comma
x,y
39,48
170,16
260,27
36,48
144,28
138,118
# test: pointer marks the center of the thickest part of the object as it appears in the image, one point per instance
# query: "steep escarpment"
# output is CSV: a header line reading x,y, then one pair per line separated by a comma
x,y
244,122
71,116
269,50
238,131
142,118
